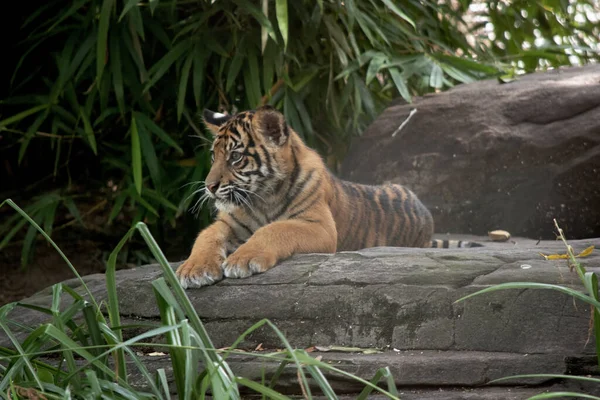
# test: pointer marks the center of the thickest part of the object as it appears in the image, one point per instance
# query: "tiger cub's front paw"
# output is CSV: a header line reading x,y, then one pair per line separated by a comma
x,y
200,270
247,260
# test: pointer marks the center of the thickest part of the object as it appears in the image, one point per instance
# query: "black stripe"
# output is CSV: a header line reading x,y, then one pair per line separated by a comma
x,y
400,234
459,243
312,203
314,190
240,223
359,218
293,176
408,207
233,130
434,243
377,209
268,159
291,195
250,141
446,244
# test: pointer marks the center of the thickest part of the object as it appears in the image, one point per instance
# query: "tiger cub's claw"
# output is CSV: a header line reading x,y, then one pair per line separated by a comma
x,y
197,272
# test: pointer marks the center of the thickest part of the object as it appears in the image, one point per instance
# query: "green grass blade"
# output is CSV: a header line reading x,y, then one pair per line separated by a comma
x,y
31,221
178,291
322,382
532,285
89,314
557,395
25,359
262,389
552,376
590,281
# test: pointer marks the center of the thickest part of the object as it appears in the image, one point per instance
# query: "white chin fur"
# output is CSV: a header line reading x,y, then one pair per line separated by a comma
x,y
226,207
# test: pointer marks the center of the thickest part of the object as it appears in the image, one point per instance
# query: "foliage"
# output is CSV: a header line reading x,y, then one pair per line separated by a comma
x,y
97,358
591,297
117,98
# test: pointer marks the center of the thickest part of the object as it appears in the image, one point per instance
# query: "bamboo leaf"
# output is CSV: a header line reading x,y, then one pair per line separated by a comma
x,y
281,10
390,4
89,131
400,84
185,75
136,155
151,161
157,130
117,73
103,25
162,66
436,77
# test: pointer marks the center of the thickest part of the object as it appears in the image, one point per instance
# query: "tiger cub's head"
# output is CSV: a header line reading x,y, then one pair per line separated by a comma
x,y
248,155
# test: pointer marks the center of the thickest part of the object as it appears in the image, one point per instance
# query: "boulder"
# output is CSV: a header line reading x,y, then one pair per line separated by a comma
x,y
491,155
400,301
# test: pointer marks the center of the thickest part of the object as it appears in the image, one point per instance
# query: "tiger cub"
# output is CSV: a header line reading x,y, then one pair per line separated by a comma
x,y
276,198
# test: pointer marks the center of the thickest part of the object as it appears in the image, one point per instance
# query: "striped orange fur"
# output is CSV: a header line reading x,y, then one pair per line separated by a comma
x,y
275,198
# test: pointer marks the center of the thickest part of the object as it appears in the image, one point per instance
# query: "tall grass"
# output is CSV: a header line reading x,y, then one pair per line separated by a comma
x,y
80,353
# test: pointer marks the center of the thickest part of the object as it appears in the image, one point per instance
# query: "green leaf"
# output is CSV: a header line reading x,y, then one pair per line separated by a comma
x,y
30,133
136,155
400,84
149,153
374,67
157,130
162,66
103,25
254,83
89,132
128,5
235,66
281,10
185,75
28,243
117,73
390,4
200,58
436,77
117,207
21,115
72,207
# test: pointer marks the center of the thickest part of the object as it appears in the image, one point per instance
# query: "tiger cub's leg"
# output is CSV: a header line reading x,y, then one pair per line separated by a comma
x,y
280,240
204,265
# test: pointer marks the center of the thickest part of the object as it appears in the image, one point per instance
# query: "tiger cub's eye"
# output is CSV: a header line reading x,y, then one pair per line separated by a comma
x,y
235,156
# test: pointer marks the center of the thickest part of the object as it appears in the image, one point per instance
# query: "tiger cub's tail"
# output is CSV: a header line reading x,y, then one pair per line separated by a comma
x,y
447,244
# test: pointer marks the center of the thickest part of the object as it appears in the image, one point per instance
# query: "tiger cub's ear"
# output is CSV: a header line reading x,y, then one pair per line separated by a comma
x,y
214,120
271,124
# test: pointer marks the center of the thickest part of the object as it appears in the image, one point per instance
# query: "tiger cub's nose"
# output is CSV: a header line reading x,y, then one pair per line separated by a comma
x,y
213,186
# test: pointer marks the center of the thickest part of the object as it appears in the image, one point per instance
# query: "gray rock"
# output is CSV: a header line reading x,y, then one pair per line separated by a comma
x,y
401,301
487,156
